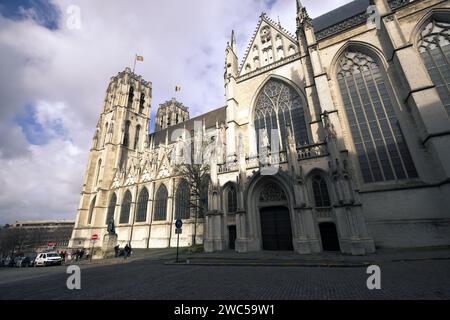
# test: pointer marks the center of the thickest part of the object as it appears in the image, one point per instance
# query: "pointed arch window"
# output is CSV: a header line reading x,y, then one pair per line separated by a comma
x,y
125,208
161,204
137,136
279,105
142,103
232,199
142,205
105,134
126,134
97,175
182,201
320,190
434,47
380,146
91,210
130,97
272,192
204,203
111,208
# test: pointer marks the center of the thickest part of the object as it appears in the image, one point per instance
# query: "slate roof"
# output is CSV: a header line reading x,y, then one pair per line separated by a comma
x,y
340,14
210,118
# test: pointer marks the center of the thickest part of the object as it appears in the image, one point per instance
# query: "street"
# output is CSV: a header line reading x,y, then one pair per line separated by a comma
x,y
152,279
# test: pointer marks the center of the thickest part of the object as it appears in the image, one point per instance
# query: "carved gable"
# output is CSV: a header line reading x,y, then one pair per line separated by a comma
x,y
270,43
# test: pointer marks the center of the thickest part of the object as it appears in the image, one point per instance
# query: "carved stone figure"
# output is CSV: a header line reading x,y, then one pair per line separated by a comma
x,y
111,228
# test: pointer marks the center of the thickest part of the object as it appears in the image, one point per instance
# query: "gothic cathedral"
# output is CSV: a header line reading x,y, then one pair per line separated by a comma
x,y
336,138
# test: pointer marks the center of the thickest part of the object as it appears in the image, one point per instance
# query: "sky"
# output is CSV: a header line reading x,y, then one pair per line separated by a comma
x,y
57,58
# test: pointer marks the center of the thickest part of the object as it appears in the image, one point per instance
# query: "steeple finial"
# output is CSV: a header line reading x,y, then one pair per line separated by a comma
x,y
302,15
299,6
233,41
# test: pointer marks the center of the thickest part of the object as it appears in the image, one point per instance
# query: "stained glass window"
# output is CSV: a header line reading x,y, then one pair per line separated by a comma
x,y
434,47
277,106
91,210
204,196
320,189
182,207
141,215
161,204
380,146
232,199
111,208
125,208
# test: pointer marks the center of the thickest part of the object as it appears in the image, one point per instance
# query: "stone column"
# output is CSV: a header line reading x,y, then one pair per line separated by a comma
x,y
171,211
215,235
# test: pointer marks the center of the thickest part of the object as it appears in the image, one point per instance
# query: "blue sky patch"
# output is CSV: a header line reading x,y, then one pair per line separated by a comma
x,y
43,12
35,132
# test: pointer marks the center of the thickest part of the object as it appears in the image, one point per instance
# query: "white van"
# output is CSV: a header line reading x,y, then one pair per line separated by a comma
x,y
48,259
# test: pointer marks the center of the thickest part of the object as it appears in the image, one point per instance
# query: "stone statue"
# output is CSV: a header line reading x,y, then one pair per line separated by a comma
x,y
329,128
264,139
111,228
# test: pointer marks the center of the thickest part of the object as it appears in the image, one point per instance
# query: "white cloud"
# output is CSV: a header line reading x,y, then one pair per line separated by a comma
x,y
64,74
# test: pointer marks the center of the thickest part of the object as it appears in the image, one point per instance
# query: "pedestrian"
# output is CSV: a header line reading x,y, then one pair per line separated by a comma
x,y
116,251
126,251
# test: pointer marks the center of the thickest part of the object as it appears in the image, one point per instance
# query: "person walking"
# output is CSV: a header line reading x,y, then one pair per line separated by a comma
x,y
126,251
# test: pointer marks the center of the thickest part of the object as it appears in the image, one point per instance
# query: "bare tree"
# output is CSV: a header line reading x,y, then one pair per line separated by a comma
x,y
12,240
197,177
196,172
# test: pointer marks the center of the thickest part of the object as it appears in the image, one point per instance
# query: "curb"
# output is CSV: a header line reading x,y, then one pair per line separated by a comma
x,y
327,264
257,264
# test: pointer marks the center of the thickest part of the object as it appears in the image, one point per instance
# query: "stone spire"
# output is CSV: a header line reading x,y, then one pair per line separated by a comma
x,y
233,42
231,64
302,15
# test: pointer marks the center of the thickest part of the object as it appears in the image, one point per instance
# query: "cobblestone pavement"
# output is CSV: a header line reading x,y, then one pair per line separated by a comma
x,y
151,279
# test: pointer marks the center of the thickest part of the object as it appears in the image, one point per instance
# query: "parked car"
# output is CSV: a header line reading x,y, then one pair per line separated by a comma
x,y
47,259
22,262
9,262
32,259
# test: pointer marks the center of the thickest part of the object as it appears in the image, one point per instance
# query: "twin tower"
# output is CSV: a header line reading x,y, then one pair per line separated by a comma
x,y
121,137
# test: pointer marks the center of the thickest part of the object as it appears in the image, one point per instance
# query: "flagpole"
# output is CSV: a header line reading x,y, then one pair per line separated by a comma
x,y
134,66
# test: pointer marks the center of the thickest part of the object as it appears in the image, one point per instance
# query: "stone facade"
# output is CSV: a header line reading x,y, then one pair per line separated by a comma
x,y
360,158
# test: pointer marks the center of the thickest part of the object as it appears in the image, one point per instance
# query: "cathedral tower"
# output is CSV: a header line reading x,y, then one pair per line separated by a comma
x,y
170,113
120,137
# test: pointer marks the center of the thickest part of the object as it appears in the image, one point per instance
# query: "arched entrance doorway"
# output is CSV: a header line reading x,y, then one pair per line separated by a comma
x,y
329,236
276,230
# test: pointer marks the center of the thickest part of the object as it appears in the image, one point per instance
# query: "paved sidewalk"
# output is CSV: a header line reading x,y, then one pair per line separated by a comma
x,y
276,258
268,258
137,255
